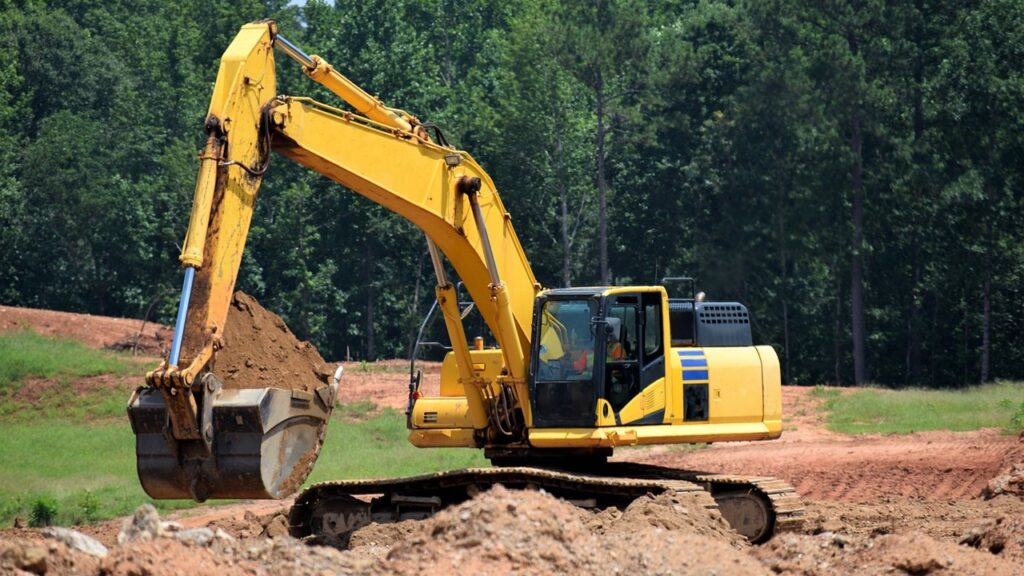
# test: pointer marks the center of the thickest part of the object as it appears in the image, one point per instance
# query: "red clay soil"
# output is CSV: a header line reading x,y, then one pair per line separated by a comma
x,y
93,331
260,351
531,532
917,554
386,382
827,466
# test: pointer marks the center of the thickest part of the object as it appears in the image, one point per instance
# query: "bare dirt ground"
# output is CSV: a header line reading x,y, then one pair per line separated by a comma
x,y
95,331
876,504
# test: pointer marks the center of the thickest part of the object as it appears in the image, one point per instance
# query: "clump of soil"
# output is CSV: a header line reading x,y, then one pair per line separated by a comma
x,y
1003,536
531,532
260,351
911,553
1009,481
669,511
164,557
36,556
383,535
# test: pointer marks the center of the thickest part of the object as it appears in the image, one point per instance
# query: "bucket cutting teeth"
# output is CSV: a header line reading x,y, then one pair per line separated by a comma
x,y
262,443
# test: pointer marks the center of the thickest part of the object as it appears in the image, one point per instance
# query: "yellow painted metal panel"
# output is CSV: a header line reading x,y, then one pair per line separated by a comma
x,y
441,413
633,410
643,435
486,365
771,377
450,438
245,83
605,414
649,401
734,391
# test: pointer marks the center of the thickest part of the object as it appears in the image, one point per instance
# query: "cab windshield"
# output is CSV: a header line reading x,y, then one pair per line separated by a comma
x,y
566,347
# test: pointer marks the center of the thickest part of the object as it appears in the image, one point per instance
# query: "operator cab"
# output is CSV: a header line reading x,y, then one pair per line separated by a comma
x,y
593,344
595,350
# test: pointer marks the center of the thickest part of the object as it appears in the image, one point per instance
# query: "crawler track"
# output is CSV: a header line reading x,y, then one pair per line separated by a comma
x,y
757,507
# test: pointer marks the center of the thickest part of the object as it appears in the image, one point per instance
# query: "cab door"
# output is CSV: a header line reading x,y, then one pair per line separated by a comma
x,y
634,372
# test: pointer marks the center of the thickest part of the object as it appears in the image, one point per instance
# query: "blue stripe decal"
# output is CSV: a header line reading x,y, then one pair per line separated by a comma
x,y
691,352
695,374
694,362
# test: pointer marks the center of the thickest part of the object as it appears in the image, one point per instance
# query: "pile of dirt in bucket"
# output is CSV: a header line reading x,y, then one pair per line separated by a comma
x,y
260,352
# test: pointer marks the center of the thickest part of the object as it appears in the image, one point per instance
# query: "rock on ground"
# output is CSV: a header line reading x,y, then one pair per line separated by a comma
x,y
76,541
1010,481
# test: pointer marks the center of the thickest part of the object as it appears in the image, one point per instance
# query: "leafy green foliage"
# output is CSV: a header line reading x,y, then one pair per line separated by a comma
x,y
720,132
44,512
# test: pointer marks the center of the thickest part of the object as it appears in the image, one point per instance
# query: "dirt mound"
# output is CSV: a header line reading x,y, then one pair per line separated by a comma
x,y
532,532
38,556
165,557
260,351
828,553
1009,481
383,535
669,511
528,532
93,331
1003,536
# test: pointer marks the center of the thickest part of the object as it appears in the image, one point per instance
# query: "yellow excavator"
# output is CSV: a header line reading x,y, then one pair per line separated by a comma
x,y
577,371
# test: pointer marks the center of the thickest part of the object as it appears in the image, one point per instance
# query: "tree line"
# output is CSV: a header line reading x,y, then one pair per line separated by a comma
x,y
851,170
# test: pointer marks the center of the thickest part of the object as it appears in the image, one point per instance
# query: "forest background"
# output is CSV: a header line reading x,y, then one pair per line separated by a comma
x,y
852,171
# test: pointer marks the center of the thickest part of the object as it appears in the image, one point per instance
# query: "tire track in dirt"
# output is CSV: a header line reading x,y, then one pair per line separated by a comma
x,y
934,465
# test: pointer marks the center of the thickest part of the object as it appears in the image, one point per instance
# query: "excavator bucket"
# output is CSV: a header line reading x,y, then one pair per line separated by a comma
x,y
257,443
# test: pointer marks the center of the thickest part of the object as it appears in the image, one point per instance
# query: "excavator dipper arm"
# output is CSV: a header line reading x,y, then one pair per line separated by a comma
x,y
197,440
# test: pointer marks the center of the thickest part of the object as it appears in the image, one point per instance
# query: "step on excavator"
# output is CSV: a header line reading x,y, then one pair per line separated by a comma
x,y
576,372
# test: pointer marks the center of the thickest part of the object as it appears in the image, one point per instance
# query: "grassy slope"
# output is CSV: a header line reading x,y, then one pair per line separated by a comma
x,y
76,454
27,354
874,410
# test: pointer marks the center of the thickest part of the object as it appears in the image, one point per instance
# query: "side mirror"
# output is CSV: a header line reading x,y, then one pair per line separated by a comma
x,y
613,328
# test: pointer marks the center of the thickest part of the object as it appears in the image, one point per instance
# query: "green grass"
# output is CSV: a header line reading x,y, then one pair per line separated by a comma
x,y
376,445
876,410
86,472
27,354
379,368
824,392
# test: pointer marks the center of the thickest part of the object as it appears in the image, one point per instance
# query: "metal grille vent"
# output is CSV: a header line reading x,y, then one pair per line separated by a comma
x,y
723,314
